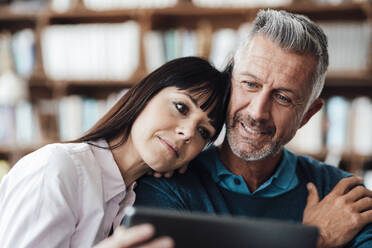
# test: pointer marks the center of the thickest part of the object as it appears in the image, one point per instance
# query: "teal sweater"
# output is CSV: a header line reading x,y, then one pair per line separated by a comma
x,y
196,191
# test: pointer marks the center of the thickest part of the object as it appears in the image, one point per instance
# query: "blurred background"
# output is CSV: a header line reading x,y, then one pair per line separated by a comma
x,y
63,63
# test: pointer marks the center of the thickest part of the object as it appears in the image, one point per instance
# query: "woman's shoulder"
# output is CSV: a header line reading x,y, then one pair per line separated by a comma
x,y
53,160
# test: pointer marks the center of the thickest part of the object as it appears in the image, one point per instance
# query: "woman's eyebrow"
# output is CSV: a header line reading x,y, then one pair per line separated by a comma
x,y
210,121
192,99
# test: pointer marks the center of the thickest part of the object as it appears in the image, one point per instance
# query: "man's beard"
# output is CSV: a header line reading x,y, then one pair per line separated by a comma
x,y
269,149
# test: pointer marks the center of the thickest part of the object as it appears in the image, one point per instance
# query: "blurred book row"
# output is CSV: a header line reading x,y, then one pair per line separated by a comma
x,y
100,5
343,125
91,51
349,45
262,3
26,124
111,51
17,61
345,56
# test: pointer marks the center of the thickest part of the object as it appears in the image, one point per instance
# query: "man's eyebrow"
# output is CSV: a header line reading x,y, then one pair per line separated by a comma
x,y
246,73
281,88
287,90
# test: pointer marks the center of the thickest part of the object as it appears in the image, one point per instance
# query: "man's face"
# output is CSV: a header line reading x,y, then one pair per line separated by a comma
x,y
270,93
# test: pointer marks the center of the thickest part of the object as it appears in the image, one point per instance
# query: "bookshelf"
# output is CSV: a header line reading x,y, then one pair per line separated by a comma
x,y
186,16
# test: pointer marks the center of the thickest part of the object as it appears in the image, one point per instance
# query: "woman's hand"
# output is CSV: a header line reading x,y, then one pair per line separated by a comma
x,y
136,236
168,174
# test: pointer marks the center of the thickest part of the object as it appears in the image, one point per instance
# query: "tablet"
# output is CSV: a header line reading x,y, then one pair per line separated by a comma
x,y
189,229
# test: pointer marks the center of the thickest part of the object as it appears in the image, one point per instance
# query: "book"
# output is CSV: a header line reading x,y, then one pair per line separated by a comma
x,y
361,123
4,168
309,138
224,44
91,51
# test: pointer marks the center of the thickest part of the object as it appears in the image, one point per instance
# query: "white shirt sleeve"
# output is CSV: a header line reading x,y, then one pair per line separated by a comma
x,y
39,200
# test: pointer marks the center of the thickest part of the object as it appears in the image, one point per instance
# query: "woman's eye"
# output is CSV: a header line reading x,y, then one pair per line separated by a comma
x,y
206,135
181,107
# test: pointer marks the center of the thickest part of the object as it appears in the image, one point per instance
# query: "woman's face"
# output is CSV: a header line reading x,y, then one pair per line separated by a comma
x,y
171,130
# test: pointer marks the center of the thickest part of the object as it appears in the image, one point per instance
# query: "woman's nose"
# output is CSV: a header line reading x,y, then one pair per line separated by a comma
x,y
186,130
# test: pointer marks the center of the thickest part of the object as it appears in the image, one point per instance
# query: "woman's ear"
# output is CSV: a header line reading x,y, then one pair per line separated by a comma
x,y
314,108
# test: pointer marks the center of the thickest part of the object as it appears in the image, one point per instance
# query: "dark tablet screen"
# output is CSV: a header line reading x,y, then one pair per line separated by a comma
x,y
206,230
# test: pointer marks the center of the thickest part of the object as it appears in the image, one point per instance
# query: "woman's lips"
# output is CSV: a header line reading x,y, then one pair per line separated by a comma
x,y
170,146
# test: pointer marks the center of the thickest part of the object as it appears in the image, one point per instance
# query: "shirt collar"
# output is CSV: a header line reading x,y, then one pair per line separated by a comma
x,y
282,178
112,181
286,171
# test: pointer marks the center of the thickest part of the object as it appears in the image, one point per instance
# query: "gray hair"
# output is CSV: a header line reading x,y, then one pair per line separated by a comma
x,y
295,33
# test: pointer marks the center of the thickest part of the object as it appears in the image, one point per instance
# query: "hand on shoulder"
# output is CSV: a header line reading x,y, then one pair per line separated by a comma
x,y
341,214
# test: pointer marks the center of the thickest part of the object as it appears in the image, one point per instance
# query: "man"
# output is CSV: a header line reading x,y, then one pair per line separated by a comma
x,y
276,78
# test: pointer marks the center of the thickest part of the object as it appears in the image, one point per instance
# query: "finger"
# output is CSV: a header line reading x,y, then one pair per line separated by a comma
x,y
366,217
109,242
157,175
162,242
358,192
183,169
132,236
313,197
346,184
363,204
150,173
169,174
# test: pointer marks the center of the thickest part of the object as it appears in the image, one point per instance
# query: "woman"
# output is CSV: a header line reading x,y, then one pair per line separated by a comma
x,y
74,194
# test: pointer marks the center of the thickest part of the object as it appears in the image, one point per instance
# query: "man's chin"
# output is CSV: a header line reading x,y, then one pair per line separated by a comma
x,y
255,154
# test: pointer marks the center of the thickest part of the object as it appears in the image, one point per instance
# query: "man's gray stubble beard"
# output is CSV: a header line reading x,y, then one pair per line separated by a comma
x,y
263,153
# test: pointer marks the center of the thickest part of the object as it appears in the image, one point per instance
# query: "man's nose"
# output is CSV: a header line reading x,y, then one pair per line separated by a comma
x,y
260,106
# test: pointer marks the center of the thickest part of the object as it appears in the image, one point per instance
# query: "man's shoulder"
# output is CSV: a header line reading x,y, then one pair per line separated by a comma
x,y
197,168
321,168
178,192
323,175
177,181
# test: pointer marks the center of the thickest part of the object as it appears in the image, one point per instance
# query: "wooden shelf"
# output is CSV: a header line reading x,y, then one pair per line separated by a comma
x,y
14,21
348,85
7,149
96,89
42,87
188,15
188,12
7,14
340,12
90,16
12,153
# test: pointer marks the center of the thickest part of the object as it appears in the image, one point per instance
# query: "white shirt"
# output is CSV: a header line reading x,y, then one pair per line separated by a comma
x,y
62,195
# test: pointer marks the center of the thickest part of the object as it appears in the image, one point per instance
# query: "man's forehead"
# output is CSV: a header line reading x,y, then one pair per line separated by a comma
x,y
262,56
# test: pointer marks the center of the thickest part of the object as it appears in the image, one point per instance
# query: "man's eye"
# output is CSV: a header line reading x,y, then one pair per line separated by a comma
x,y
250,84
181,107
206,135
283,99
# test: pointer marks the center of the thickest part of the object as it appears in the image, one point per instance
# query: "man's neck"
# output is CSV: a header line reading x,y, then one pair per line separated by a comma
x,y
255,173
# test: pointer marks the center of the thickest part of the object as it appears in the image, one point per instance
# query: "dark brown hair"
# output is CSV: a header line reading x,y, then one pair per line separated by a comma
x,y
193,74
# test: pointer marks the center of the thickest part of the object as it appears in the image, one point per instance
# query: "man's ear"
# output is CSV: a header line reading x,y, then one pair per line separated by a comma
x,y
314,108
